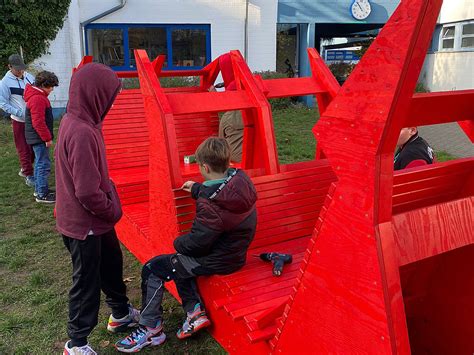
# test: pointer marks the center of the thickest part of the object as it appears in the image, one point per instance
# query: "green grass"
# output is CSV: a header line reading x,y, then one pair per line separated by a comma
x,y
35,277
444,156
35,270
294,137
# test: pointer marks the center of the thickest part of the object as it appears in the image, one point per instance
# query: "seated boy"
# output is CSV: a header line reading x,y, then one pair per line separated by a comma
x,y
221,233
412,150
39,131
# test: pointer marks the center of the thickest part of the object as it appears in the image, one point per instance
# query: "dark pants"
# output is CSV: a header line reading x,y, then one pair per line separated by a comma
x,y
155,273
42,169
96,265
24,151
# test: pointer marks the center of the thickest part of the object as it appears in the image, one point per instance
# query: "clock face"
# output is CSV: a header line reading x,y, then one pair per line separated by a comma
x,y
360,9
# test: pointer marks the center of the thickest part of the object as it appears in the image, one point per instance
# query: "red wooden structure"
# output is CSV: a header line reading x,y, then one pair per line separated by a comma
x,y
381,261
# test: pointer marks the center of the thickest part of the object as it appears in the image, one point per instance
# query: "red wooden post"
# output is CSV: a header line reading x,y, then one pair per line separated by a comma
x,y
349,299
164,171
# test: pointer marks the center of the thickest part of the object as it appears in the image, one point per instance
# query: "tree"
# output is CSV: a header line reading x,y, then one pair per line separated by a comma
x,y
28,26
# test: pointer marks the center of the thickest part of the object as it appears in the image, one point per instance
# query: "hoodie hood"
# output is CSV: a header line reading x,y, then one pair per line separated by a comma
x,y
227,71
238,195
31,91
92,92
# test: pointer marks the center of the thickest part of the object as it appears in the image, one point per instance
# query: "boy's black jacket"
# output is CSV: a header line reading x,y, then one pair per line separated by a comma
x,y
224,225
416,148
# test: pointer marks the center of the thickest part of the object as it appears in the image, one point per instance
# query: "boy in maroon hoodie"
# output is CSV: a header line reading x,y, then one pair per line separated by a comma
x,y
39,131
88,207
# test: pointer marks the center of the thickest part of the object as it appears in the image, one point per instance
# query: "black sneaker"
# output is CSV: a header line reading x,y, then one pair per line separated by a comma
x,y
49,198
35,194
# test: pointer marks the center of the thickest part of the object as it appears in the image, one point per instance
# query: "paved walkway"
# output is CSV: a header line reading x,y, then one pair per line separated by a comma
x,y
448,137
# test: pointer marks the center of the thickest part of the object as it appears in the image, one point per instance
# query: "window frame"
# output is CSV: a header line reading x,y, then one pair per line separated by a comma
x,y
169,29
458,36
453,37
465,36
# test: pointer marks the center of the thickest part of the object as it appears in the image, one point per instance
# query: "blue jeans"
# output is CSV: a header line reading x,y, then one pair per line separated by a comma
x,y
42,169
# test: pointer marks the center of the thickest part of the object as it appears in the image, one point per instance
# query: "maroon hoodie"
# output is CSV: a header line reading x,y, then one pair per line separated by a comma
x,y
86,200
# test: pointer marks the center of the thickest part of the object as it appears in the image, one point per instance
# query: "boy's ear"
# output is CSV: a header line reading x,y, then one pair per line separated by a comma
x,y
206,168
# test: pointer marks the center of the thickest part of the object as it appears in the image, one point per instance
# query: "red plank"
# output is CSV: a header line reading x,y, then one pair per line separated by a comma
x,y
441,107
426,232
291,87
209,102
264,334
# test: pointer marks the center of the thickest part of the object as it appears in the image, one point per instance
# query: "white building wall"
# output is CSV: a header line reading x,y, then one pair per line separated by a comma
x,y
63,54
262,34
226,17
456,10
450,70
445,71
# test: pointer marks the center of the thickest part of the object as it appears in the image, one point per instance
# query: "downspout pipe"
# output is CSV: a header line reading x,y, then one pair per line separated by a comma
x,y
246,31
95,18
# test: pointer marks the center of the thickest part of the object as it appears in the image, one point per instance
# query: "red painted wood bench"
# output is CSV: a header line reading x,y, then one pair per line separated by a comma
x,y
368,245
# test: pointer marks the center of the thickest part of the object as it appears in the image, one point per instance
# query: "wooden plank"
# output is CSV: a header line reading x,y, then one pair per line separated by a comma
x,y
441,107
243,303
266,282
429,171
422,233
209,102
262,335
240,313
286,87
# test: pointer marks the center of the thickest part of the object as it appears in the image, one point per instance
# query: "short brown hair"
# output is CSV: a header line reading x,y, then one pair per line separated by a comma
x,y
46,79
214,152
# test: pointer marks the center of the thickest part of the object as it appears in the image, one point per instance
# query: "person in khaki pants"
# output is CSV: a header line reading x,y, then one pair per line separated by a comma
x,y
231,127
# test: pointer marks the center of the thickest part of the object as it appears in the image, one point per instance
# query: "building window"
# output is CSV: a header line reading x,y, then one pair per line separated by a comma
x,y
457,36
152,39
189,48
448,34
467,36
107,46
185,46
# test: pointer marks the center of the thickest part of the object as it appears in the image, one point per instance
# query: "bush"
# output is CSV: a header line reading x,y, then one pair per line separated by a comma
x,y
29,25
421,88
284,102
168,82
179,81
341,70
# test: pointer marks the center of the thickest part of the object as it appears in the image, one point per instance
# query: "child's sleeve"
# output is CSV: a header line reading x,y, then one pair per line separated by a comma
x,y
199,241
37,106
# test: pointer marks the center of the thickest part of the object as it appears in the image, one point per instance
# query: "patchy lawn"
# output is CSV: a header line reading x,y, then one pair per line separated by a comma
x,y
35,271
35,277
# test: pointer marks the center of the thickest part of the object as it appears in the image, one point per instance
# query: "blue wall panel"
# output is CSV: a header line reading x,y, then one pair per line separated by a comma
x,y
331,11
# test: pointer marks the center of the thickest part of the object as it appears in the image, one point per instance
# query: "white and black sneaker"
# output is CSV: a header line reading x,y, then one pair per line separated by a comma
x,y
21,173
48,198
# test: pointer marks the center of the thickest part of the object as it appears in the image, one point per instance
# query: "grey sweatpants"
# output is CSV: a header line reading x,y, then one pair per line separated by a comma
x,y
155,273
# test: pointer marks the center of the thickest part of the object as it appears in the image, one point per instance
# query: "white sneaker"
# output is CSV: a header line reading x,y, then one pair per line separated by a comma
x,y
124,324
78,350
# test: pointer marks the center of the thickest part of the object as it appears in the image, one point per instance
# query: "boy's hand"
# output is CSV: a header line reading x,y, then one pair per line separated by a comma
x,y
187,186
49,144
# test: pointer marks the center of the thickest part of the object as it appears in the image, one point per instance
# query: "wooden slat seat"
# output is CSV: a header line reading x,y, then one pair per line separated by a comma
x,y
126,133
192,129
433,184
132,184
288,206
